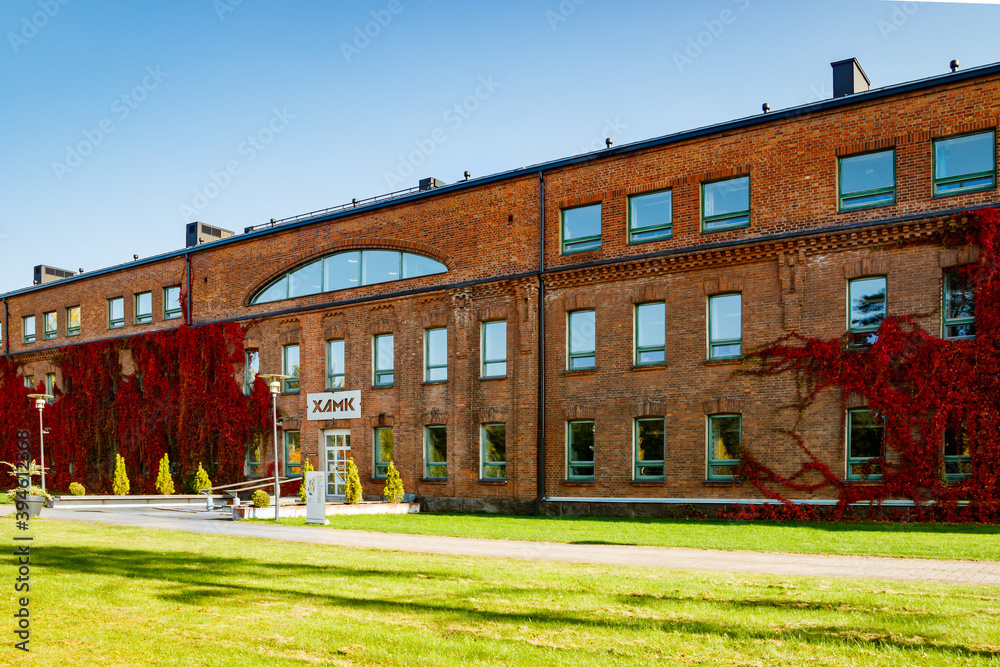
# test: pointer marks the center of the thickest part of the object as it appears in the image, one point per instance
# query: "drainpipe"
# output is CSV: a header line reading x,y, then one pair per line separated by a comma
x,y
541,344
187,291
6,339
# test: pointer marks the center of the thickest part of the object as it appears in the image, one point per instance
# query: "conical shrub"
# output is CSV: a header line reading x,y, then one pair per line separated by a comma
x,y
393,491
352,495
164,482
121,485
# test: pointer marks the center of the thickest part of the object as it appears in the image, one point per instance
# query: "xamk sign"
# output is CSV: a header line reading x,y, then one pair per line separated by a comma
x,y
334,405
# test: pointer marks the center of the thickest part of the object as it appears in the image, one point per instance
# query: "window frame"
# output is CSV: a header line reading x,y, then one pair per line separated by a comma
x,y
571,356
247,380
639,351
483,463
947,322
331,378
661,231
861,460
955,459
571,476
583,240
74,331
49,334
27,338
248,463
638,463
141,317
287,441
50,387
842,196
724,342
293,383
172,313
485,361
714,463
427,458
428,367
378,373
936,182
116,323
850,319
376,449
721,217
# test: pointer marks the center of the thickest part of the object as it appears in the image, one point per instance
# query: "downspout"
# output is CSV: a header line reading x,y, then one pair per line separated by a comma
x,y
541,344
6,339
187,290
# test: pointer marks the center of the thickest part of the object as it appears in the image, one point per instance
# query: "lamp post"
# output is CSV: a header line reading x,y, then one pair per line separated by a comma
x,y
41,400
274,384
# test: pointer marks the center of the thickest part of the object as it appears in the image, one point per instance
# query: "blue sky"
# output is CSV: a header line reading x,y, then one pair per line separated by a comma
x,y
122,120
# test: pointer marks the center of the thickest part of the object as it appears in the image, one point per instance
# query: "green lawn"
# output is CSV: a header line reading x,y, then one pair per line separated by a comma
x,y
108,595
963,541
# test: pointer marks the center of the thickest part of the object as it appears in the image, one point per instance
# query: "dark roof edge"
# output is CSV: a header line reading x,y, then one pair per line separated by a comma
x,y
748,121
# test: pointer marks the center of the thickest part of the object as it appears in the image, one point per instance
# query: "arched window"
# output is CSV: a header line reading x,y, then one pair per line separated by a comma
x,y
351,268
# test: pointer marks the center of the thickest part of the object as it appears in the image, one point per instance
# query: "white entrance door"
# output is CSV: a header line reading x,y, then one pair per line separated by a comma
x,y
338,449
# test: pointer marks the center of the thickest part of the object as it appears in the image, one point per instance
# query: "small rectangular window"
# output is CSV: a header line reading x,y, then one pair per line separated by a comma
x,y
867,180
116,312
581,229
724,443
725,326
965,164
51,324
864,444
649,448
436,452
251,366
436,355
253,458
73,321
959,306
495,349
171,303
650,217
293,454
290,367
582,340
29,382
868,306
335,368
28,329
144,308
50,386
580,450
383,360
957,454
494,447
725,204
383,451
650,333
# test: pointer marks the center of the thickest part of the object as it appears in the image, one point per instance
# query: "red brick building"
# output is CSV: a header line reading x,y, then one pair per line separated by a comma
x,y
568,332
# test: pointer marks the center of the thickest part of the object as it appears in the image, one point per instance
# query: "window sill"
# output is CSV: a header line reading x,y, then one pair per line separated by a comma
x,y
725,228
291,392
871,481
647,482
493,377
425,382
376,479
721,482
382,386
869,207
579,371
578,482
433,480
72,333
648,367
172,317
494,482
723,362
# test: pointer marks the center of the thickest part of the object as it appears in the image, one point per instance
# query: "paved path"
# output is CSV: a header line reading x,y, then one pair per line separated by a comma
x,y
985,573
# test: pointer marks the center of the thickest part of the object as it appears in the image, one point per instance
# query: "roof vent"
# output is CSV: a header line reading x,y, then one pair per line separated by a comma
x,y
849,78
47,274
430,184
199,232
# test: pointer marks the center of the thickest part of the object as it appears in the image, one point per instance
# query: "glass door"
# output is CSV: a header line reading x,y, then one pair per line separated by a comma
x,y
338,449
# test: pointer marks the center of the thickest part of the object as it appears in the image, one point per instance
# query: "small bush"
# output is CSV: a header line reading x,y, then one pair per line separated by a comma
x,y
77,489
164,482
352,495
306,467
393,490
201,480
121,485
260,498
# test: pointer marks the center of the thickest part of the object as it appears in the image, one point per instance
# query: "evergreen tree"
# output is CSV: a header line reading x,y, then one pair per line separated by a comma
x,y
201,480
353,493
164,482
393,491
121,485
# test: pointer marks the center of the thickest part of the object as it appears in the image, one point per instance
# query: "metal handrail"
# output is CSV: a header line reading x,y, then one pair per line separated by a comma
x,y
261,483
355,203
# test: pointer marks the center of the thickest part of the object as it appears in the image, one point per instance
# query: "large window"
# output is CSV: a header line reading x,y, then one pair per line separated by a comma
x,y
251,366
144,308
50,386
293,454
650,333
959,306
116,312
383,451
725,326
725,204
580,450
581,229
864,444
724,442
383,357
253,460
965,164
494,446
171,303
348,269
495,349
649,448
51,325
436,355
290,367
582,340
650,217
868,305
867,180
73,321
28,329
435,452
335,368
957,454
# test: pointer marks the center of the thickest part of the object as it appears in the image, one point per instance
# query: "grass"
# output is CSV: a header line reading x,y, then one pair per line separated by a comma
x,y
961,541
113,595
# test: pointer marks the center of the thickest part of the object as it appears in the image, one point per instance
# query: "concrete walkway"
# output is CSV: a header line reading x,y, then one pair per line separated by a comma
x,y
983,573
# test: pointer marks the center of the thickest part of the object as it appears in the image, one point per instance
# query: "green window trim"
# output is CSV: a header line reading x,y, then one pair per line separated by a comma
x,y
50,325
582,354
956,327
293,454
29,382
587,242
963,183
436,452
735,219
646,432
335,360
659,229
723,348
251,365
859,321
143,307
383,444
580,450
716,426
856,464
869,198
290,365
957,465
436,354
73,315
252,464
168,299
383,372
493,451
116,320
28,334
494,367
654,354
50,387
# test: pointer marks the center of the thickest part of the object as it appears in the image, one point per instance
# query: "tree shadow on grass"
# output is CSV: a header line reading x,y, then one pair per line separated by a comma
x,y
200,579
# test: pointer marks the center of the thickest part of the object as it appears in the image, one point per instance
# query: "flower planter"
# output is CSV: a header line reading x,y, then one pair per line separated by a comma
x,y
35,504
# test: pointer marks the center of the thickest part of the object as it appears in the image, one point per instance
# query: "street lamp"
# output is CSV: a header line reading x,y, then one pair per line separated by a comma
x,y
274,384
41,400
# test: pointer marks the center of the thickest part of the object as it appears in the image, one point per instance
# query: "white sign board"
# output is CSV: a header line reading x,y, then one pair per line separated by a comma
x,y
315,496
334,405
